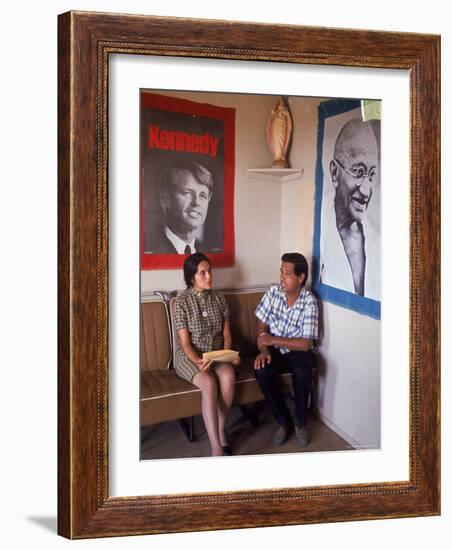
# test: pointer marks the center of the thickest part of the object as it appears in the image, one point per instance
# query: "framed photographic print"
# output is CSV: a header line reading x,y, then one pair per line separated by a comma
x,y
110,67
169,396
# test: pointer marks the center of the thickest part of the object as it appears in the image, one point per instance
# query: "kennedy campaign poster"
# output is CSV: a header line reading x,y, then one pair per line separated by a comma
x,y
187,181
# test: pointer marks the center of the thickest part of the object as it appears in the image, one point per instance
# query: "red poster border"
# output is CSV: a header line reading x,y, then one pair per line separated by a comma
x,y
227,114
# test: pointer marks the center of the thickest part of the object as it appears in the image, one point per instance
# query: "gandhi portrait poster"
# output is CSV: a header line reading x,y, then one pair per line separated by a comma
x,y
187,181
347,246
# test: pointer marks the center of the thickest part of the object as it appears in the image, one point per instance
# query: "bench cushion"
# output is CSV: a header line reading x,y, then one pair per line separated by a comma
x,y
166,396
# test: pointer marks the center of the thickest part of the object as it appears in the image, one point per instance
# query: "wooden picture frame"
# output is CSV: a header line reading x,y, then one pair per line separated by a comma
x,y
86,40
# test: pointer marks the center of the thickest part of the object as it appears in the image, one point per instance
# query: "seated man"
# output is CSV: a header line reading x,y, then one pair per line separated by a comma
x,y
287,325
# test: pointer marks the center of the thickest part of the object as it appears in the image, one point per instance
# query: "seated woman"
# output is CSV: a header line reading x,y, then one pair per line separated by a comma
x,y
201,320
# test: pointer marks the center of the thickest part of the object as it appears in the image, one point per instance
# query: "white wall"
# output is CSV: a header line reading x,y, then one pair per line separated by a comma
x,y
349,375
297,208
28,278
297,200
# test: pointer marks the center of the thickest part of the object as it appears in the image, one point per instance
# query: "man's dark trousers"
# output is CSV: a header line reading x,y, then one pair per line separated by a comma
x,y
299,364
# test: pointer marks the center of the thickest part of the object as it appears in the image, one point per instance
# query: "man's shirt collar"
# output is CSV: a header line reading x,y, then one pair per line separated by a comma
x,y
178,243
299,299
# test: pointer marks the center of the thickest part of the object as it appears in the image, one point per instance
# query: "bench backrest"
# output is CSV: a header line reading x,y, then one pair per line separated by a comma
x,y
155,341
243,321
157,333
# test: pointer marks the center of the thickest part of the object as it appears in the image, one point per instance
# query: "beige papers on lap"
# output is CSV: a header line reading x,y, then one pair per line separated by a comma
x,y
223,355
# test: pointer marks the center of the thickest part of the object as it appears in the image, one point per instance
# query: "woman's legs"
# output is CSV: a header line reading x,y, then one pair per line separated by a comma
x,y
216,403
207,382
226,380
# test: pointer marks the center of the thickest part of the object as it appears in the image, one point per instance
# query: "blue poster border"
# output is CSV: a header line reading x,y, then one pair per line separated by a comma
x,y
339,297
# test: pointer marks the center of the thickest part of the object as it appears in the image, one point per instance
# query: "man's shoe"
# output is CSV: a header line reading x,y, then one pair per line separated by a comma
x,y
302,435
281,434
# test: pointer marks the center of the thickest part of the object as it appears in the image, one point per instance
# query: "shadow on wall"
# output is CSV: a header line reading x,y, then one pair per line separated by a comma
x,y
320,387
322,368
49,523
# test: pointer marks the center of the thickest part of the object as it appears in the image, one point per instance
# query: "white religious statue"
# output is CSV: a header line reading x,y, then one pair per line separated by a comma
x,y
279,131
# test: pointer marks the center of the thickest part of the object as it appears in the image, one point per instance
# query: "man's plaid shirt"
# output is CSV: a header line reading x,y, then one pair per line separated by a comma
x,y
301,320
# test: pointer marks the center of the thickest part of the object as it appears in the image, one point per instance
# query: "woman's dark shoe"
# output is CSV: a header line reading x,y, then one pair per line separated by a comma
x,y
227,451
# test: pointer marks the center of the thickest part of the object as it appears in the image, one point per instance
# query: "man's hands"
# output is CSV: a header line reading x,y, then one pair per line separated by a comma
x,y
264,358
264,339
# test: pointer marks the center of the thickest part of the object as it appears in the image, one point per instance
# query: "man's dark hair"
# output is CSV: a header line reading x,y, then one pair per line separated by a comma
x,y
201,174
191,266
300,265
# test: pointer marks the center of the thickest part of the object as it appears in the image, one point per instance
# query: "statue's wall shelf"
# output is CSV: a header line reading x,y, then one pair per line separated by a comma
x,y
275,174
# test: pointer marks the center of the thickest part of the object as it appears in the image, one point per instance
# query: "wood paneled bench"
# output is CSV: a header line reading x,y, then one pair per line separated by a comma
x,y
165,396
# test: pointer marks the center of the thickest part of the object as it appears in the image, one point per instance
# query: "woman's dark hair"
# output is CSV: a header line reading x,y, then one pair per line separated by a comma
x,y
191,266
300,265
